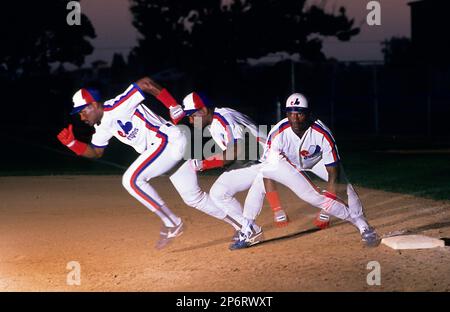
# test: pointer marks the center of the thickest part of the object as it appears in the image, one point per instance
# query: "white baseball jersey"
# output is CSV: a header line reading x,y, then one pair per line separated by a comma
x,y
229,125
317,143
132,123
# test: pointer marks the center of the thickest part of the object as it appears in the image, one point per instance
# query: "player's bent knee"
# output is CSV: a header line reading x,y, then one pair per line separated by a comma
x,y
130,182
191,200
219,192
126,181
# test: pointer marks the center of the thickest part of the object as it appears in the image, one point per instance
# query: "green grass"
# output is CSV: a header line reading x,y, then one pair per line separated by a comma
x,y
425,175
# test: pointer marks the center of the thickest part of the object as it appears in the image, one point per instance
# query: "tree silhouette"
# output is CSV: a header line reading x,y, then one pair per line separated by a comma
x,y
195,33
398,51
36,33
159,23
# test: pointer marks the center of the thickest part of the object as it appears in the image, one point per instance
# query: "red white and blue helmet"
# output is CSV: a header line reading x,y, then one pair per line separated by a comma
x,y
83,98
192,103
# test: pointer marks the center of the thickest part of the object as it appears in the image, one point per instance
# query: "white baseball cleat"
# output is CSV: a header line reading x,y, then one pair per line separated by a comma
x,y
167,234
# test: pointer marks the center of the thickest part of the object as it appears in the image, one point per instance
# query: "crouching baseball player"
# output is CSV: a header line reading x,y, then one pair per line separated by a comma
x,y
228,128
160,144
296,143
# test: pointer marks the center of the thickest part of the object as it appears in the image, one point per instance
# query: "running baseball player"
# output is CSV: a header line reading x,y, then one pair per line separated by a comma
x,y
296,143
228,128
160,144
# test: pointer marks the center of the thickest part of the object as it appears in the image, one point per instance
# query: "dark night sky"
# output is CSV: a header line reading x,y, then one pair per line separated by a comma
x,y
115,33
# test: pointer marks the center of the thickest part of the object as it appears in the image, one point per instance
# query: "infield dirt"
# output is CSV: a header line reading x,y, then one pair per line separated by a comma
x,y
46,222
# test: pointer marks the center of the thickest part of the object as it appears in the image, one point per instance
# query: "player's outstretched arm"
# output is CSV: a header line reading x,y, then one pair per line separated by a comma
x,y
147,85
67,138
93,152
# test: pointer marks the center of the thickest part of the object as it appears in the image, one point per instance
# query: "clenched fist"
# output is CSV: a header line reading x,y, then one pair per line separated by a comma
x,y
66,136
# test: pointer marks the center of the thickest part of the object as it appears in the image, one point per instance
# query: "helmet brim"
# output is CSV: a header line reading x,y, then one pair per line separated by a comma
x,y
297,110
78,109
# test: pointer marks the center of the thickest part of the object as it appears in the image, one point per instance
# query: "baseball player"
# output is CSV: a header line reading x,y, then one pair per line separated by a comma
x,y
160,144
228,128
296,143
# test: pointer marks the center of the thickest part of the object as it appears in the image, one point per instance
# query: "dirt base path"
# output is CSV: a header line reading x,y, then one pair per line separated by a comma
x,y
46,222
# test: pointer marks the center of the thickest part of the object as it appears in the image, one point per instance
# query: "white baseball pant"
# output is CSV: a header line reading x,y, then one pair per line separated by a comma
x,y
286,173
353,200
155,161
231,182
185,181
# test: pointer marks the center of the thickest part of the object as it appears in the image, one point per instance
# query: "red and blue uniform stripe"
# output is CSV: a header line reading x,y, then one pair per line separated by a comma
x,y
315,187
226,125
276,132
148,124
123,98
330,140
148,161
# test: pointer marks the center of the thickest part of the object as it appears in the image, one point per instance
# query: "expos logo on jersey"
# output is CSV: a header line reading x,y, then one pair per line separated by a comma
x,y
313,151
311,156
127,127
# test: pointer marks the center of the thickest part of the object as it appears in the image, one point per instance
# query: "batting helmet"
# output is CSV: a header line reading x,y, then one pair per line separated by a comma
x,y
297,102
193,102
83,98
